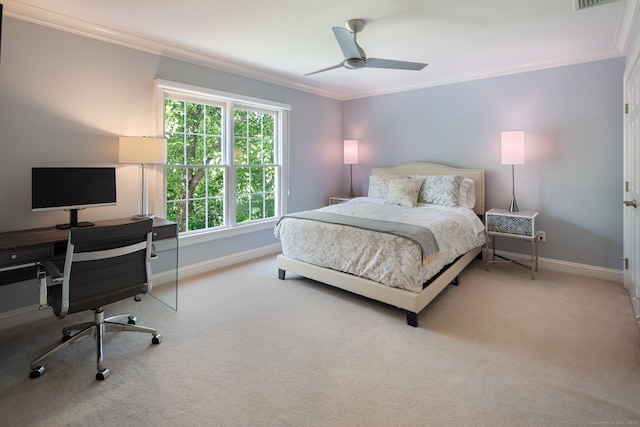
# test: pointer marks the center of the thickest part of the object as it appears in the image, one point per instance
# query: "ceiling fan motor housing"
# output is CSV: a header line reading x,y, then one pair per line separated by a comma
x,y
354,63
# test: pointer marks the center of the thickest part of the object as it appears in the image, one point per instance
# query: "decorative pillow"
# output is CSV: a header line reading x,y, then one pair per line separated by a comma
x,y
404,192
467,194
442,189
422,195
379,185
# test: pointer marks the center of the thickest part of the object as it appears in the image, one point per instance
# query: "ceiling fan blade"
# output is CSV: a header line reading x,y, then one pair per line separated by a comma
x,y
398,65
350,48
325,69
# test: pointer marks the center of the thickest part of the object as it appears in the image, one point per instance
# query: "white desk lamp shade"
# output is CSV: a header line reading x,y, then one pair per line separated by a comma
x,y
513,148
140,150
143,151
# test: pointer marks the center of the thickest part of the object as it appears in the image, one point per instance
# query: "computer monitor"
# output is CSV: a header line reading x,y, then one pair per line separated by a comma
x,y
72,188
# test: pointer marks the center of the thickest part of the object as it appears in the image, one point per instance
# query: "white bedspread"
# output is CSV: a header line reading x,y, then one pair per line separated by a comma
x,y
385,258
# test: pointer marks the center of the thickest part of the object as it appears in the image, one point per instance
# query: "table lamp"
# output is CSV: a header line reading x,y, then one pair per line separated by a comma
x,y
143,151
513,154
351,158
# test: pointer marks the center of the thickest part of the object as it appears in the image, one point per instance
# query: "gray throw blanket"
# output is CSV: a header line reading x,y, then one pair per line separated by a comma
x,y
420,235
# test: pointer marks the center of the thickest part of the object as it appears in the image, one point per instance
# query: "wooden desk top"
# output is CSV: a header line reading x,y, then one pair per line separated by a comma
x,y
39,236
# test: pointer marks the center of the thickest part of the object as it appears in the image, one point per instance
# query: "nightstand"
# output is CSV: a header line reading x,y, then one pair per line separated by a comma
x,y
334,200
515,225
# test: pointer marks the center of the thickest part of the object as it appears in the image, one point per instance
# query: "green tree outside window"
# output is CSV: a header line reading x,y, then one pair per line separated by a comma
x,y
198,172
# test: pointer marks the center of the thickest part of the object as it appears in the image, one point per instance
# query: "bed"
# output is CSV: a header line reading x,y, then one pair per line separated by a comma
x,y
383,260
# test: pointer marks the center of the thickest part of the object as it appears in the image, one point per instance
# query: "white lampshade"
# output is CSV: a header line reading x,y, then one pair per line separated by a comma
x,y
142,150
351,152
513,148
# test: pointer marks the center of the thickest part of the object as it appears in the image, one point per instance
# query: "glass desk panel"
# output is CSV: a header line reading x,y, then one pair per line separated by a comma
x,y
164,269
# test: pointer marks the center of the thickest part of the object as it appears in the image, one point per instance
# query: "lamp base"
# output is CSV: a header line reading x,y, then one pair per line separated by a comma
x,y
351,193
514,205
142,216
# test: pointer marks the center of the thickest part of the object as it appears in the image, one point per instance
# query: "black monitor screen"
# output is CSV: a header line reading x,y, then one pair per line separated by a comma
x,y
72,188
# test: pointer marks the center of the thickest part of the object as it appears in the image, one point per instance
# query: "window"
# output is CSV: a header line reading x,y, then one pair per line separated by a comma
x,y
224,158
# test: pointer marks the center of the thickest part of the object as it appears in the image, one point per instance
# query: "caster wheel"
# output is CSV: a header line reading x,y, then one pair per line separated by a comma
x,y
137,298
103,374
37,372
132,320
156,339
66,337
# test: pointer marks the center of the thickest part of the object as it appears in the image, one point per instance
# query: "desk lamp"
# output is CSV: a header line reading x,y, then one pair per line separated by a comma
x,y
143,151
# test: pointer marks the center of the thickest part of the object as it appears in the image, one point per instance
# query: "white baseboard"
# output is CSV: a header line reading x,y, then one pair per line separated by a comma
x,y
29,314
609,274
226,261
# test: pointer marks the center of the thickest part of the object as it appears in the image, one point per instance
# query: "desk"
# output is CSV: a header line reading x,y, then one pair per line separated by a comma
x,y
20,250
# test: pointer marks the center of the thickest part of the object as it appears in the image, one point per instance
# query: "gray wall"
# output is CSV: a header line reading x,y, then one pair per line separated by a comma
x,y
572,174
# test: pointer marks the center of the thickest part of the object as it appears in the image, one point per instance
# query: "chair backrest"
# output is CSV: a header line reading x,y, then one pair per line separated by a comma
x,y
103,265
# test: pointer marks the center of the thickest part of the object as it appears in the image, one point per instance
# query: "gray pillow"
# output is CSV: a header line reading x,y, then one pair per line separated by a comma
x,y
442,190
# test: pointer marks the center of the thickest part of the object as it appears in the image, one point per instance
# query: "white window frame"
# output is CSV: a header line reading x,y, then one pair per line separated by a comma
x,y
166,88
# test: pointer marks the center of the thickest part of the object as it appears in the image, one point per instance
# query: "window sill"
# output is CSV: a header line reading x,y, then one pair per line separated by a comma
x,y
197,237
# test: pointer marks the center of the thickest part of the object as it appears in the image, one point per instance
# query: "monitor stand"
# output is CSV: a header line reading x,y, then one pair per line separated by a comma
x,y
73,221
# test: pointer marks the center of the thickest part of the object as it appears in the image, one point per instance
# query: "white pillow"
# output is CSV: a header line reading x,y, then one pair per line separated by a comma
x,y
404,192
379,185
422,196
467,194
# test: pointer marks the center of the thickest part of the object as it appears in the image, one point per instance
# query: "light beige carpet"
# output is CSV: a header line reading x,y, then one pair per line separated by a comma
x,y
246,349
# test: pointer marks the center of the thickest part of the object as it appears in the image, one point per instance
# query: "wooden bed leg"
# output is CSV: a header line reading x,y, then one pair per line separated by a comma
x,y
281,273
412,319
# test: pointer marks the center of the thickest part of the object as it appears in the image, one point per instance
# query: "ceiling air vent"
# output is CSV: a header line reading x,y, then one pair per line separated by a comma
x,y
583,4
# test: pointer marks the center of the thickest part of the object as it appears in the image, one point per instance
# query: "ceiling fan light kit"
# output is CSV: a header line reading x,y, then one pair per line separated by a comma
x,y
354,56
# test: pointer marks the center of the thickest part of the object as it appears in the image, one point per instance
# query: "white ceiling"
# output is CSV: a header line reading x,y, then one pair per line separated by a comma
x,y
281,40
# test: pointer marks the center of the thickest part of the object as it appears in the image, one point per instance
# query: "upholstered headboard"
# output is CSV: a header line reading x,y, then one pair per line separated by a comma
x,y
477,175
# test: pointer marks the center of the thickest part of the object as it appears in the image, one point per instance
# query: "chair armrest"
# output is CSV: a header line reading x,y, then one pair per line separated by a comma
x,y
52,271
47,268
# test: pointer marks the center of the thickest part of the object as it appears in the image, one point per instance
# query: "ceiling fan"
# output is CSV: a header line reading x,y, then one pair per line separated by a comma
x,y
354,56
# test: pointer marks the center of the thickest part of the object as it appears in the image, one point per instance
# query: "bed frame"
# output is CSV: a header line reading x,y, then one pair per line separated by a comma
x,y
411,302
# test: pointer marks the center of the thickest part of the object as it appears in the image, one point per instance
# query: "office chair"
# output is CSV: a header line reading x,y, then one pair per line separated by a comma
x,y
102,265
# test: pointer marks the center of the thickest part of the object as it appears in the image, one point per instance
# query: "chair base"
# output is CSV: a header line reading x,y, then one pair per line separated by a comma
x,y
97,329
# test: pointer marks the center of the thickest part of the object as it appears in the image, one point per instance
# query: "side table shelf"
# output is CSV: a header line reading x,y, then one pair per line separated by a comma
x,y
334,200
515,225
